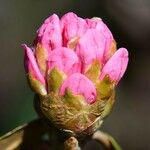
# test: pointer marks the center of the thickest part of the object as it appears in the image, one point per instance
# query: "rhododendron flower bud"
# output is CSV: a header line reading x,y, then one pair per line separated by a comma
x,y
116,65
74,67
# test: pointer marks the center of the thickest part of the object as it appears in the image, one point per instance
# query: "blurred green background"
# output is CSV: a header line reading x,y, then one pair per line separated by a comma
x,y
129,21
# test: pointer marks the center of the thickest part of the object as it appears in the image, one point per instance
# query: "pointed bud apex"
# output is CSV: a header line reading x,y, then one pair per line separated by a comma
x,y
72,26
116,65
101,28
31,65
49,34
35,77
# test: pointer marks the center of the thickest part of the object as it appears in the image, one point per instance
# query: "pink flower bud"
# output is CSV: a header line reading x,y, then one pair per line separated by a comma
x,y
79,84
91,41
49,34
100,26
73,67
116,65
72,27
91,47
64,59
31,65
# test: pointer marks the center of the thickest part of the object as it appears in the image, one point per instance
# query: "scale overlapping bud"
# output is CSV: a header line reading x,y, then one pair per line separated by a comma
x,y
74,66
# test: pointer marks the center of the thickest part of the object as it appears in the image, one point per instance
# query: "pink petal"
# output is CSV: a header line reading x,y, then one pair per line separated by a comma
x,y
116,65
31,64
72,27
99,25
91,47
49,34
79,84
65,59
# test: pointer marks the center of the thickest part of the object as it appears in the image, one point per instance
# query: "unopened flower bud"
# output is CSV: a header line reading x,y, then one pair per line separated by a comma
x,y
74,67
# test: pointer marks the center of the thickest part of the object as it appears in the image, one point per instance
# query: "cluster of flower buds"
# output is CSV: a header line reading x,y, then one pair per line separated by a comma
x,y
74,66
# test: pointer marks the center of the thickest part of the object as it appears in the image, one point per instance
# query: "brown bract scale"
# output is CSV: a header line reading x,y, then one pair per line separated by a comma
x,y
71,113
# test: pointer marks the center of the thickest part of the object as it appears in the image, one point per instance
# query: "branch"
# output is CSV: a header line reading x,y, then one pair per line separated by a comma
x,y
106,140
20,137
71,144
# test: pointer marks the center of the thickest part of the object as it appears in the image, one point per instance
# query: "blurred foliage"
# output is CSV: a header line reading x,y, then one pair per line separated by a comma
x,y
130,24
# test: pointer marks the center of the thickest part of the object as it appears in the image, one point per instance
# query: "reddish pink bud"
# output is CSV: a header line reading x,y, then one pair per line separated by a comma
x,y
79,84
91,47
31,65
91,41
64,59
49,34
100,26
72,27
74,59
116,65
